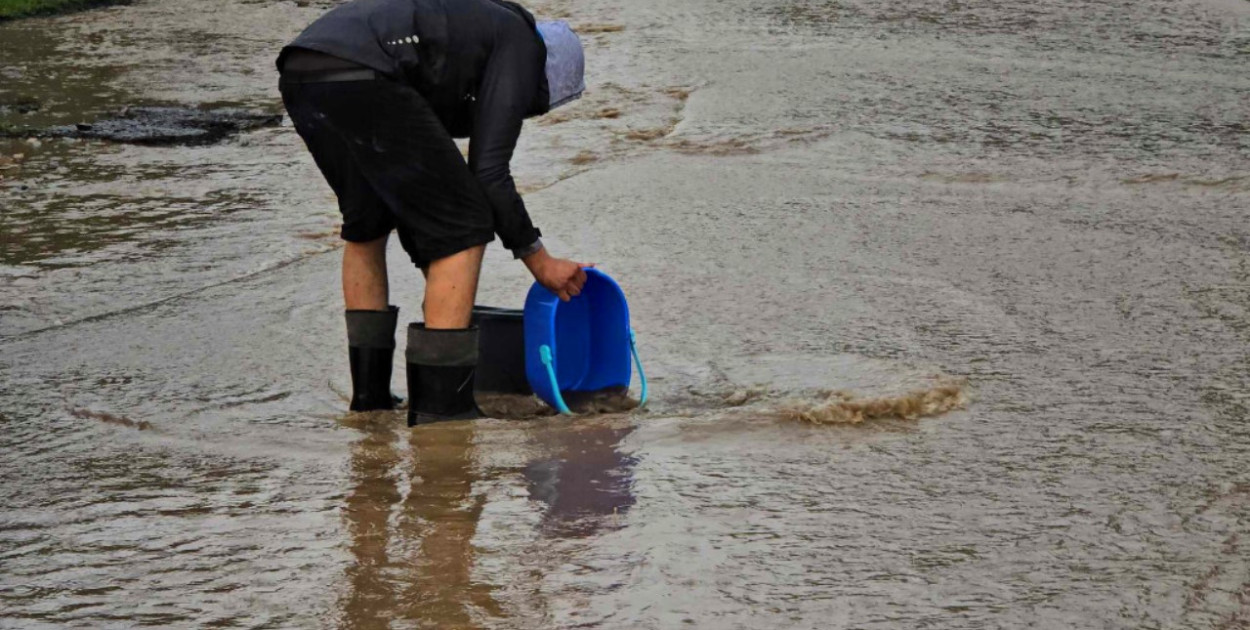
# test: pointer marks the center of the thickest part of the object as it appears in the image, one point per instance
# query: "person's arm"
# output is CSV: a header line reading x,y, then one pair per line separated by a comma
x,y
505,97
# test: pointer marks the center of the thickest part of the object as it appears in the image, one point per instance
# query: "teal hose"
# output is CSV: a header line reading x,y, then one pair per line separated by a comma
x,y
642,376
544,353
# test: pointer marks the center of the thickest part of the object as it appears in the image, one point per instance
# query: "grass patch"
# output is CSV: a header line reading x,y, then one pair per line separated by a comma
x,y
10,9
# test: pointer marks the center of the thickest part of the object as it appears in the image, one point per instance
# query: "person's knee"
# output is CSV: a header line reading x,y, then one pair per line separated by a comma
x,y
373,245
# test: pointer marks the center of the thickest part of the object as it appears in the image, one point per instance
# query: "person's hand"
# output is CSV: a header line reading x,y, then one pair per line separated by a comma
x,y
563,277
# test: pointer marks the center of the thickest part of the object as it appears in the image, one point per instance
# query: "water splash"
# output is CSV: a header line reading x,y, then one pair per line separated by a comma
x,y
839,407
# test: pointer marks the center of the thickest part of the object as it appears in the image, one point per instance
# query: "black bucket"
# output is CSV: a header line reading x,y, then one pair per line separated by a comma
x,y
501,351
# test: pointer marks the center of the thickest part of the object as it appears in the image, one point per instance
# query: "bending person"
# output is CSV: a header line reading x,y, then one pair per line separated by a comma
x,y
377,89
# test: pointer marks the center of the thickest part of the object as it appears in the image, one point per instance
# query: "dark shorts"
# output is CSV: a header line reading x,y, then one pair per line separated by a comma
x,y
392,165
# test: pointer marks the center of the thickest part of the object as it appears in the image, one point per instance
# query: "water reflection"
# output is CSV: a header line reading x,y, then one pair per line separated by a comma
x,y
586,482
412,514
374,475
435,530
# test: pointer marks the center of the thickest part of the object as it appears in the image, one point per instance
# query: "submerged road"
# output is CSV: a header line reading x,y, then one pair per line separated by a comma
x,y
1044,201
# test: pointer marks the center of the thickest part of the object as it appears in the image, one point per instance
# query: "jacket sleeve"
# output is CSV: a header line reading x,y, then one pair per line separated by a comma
x,y
506,95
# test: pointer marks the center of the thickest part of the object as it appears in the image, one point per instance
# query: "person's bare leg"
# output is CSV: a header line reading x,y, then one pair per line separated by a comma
x,y
370,325
365,286
451,288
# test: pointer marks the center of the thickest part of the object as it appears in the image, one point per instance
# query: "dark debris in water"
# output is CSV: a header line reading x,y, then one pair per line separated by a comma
x,y
159,126
19,105
31,8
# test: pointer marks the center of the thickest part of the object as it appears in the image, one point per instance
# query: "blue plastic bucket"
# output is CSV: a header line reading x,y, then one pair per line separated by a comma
x,y
583,345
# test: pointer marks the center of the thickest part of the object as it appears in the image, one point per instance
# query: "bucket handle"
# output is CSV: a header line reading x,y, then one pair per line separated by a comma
x,y
544,353
642,376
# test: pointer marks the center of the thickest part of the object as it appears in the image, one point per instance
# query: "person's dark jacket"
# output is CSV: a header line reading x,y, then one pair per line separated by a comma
x,y
479,63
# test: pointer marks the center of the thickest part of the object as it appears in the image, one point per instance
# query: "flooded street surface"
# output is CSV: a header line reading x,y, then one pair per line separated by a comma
x,y
1044,203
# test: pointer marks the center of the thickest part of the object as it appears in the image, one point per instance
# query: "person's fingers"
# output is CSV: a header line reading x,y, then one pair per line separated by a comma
x,y
574,290
586,265
564,295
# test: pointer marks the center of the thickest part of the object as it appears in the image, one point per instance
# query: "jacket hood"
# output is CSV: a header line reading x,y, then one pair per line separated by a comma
x,y
566,63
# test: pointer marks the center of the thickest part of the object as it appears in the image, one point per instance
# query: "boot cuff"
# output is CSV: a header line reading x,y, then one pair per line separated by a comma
x,y
441,347
372,329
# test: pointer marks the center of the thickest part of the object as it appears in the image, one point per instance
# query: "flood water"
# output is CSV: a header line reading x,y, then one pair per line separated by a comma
x,y
1041,204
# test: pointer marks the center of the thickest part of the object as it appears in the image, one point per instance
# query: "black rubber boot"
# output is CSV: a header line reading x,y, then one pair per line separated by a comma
x,y
441,366
371,351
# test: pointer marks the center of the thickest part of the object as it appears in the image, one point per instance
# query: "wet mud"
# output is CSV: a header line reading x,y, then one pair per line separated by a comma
x,y
943,307
594,29
517,407
108,418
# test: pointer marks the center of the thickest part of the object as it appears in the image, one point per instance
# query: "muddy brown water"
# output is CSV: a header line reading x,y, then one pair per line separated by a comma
x,y
814,206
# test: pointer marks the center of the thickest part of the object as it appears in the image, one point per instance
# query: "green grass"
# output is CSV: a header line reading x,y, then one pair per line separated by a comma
x,y
10,9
